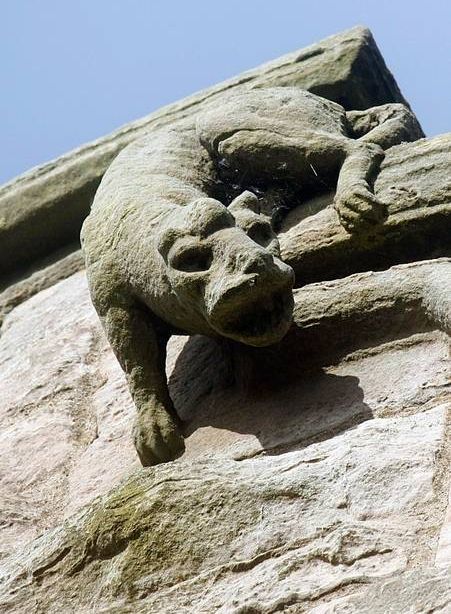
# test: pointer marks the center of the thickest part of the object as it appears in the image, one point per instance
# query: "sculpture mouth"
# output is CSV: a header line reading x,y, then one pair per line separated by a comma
x,y
263,321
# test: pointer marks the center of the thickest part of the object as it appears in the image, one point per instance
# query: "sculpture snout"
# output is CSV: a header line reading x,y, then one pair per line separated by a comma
x,y
253,260
252,300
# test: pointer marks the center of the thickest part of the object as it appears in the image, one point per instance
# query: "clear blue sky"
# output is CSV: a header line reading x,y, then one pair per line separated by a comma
x,y
73,70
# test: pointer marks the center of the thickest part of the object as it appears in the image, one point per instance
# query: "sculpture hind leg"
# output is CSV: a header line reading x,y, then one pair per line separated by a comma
x,y
385,125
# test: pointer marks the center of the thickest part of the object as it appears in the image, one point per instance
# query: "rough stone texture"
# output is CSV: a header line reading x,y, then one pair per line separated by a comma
x,y
418,226
289,495
164,254
443,556
316,472
255,535
43,209
412,592
52,381
41,276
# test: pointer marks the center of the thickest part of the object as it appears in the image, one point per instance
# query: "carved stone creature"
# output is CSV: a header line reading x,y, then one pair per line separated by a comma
x,y
165,257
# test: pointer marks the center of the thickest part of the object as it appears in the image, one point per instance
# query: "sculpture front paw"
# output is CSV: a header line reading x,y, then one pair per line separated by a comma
x,y
157,437
358,209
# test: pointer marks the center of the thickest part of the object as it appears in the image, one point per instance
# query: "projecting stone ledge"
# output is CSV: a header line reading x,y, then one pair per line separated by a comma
x,y
43,210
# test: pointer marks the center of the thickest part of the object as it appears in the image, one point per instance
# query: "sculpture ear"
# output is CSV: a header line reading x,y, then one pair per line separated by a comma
x,y
205,216
246,201
166,241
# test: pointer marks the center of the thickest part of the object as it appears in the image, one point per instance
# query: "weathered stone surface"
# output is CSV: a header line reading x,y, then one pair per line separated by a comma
x,y
255,535
43,209
53,414
415,591
325,481
39,278
443,556
414,183
165,254
316,471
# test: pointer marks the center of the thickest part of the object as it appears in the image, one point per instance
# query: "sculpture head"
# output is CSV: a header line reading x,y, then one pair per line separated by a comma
x,y
223,262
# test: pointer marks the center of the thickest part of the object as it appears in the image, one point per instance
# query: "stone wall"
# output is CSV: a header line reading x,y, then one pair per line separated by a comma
x,y
316,472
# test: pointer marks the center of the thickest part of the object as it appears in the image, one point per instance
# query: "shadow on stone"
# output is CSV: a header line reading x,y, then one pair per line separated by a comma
x,y
267,393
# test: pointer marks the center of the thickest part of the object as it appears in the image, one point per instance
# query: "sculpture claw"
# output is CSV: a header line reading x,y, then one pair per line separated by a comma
x,y
157,438
359,209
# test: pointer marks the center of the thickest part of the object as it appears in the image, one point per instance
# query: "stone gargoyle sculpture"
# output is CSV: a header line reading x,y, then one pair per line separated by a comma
x,y
165,255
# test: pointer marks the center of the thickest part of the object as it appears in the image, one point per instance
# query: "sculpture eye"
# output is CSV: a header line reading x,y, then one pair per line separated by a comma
x,y
192,259
261,232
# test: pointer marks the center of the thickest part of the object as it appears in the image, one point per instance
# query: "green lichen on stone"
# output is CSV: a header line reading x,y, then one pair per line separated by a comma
x,y
156,535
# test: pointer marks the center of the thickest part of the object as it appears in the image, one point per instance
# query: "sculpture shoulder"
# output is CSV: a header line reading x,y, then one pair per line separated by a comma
x,y
164,167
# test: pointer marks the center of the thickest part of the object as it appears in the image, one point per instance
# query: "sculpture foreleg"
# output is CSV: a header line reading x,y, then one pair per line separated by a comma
x,y
141,352
375,129
355,202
